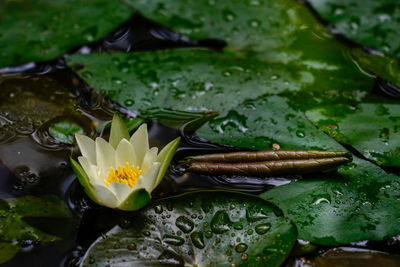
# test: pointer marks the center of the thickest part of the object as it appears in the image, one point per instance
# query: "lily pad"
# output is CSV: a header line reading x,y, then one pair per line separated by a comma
x,y
13,228
373,129
359,202
64,131
277,124
48,29
198,80
209,228
369,22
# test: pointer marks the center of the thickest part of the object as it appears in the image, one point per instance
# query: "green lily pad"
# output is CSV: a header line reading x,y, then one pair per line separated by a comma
x,y
45,29
13,228
187,80
277,124
64,131
209,228
359,202
198,80
369,22
371,128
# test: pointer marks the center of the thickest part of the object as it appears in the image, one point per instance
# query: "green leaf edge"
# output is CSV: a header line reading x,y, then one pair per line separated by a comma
x,y
165,157
133,124
84,181
118,131
8,251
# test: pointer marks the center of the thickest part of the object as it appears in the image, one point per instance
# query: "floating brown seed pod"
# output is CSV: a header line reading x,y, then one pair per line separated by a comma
x,y
267,155
269,163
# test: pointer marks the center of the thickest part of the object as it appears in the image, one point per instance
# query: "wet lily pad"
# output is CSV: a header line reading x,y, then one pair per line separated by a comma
x,y
198,229
359,202
198,80
43,30
264,124
371,128
13,228
369,22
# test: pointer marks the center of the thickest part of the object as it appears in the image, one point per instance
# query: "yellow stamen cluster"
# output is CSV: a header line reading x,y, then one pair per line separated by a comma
x,y
127,175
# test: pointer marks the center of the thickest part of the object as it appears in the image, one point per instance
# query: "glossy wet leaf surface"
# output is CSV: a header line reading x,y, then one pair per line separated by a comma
x,y
359,202
13,228
352,125
203,229
30,34
277,124
369,22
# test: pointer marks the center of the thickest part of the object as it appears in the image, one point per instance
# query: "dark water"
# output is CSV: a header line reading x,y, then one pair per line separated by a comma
x,y
34,96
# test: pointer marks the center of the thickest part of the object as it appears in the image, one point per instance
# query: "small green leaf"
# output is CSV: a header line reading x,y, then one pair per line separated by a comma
x,y
136,200
84,180
209,228
359,202
118,130
165,157
133,123
64,131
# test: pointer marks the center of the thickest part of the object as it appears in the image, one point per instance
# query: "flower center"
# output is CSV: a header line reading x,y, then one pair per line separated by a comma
x,y
127,175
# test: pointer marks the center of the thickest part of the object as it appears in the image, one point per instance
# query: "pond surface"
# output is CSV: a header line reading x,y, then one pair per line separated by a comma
x,y
36,96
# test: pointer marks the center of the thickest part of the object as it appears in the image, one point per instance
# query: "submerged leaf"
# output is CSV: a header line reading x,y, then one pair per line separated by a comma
x,y
64,131
14,229
211,228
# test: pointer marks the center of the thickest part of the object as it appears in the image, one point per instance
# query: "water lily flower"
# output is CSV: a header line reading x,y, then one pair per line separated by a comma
x,y
121,173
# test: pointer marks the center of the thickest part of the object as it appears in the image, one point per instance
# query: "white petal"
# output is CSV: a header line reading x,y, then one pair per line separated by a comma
x,y
124,154
148,160
106,196
90,171
148,181
87,147
121,190
105,156
140,143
